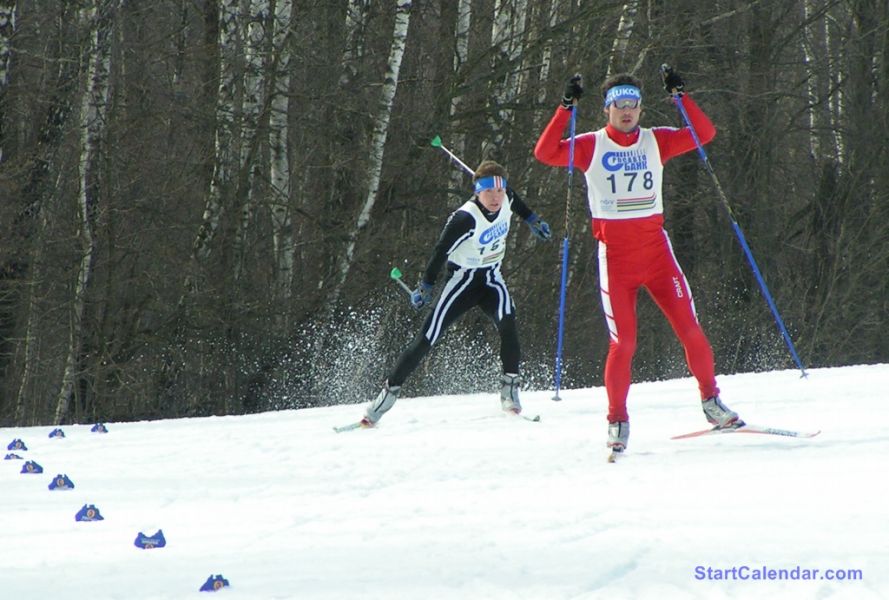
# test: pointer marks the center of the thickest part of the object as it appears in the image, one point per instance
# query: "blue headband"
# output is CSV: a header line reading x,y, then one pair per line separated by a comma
x,y
489,183
619,92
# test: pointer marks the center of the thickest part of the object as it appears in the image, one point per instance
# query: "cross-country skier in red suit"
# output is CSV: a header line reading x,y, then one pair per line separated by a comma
x,y
623,165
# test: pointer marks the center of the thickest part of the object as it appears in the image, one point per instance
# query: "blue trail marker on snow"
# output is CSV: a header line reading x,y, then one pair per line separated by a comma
x,y
61,482
99,428
31,467
17,444
148,542
89,512
214,583
57,433
12,456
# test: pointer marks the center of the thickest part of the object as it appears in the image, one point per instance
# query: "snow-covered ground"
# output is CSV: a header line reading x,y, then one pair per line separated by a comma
x,y
451,499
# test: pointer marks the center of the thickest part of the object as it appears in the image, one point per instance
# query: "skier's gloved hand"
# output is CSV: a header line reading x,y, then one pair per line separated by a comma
x,y
672,81
539,227
422,296
573,90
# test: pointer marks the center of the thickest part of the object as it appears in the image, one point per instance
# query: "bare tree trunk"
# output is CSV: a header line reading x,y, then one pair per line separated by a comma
x,y
282,231
823,136
226,149
617,61
507,33
93,111
546,63
378,142
356,21
29,353
461,54
255,76
836,101
7,29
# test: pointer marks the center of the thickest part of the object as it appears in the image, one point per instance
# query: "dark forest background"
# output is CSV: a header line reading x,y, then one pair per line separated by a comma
x,y
201,200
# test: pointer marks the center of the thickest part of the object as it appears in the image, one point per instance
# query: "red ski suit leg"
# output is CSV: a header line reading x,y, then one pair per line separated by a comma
x,y
621,273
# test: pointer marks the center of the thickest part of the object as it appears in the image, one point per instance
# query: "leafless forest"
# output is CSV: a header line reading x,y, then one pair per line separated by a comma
x,y
201,200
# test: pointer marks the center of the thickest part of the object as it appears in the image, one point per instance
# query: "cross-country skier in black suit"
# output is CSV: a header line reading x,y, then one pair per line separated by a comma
x,y
473,242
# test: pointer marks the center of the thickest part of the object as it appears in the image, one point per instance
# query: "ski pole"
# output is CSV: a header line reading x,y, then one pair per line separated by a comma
x,y
395,274
565,245
436,143
665,69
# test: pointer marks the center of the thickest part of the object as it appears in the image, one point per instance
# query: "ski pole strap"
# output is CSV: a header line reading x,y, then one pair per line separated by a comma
x,y
694,134
571,139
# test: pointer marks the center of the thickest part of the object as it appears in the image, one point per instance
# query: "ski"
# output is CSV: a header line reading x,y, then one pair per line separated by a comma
x,y
358,425
748,429
349,427
511,413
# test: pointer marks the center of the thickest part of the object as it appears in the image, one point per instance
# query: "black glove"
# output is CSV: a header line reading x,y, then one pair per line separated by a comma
x,y
539,227
573,91
422,296
672,81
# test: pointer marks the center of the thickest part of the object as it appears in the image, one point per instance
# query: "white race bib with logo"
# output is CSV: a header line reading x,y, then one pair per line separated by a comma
x,y
624,182
487,245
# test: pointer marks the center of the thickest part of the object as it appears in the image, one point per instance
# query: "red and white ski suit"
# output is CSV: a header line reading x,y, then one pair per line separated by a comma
x,y
624,192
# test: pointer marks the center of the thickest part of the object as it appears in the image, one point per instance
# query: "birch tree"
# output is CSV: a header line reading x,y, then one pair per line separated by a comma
x,y
93,110
820,65
546,62
378,141
260,24
357,12
461,55
226,149
507,35
282,232
7,29
617,60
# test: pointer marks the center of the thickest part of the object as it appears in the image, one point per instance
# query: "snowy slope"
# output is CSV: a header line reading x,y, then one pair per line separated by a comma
x,y
450,499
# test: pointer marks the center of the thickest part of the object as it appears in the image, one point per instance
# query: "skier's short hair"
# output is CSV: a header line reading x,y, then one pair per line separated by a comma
x,y
489,168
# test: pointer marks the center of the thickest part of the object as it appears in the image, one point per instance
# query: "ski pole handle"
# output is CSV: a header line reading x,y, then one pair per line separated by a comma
x,y
436,143
395,274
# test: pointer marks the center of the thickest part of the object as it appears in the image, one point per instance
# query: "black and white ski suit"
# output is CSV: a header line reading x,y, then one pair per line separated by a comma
x,y
473,242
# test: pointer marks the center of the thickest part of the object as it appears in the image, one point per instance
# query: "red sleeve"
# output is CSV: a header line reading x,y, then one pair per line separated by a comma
x,y
552,150
673,142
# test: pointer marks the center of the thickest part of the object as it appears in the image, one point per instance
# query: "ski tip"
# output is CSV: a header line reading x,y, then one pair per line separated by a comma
x,y
516,415
748,428
349,427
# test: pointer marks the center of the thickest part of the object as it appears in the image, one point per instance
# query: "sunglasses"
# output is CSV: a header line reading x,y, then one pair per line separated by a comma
x,y
626,103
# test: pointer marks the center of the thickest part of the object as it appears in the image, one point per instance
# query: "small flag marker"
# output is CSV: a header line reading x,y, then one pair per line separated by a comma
x,y
31,467
61,482
214,583
89,512
148,542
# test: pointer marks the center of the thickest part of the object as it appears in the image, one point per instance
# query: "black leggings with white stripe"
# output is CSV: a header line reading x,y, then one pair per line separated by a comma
x,y
465,289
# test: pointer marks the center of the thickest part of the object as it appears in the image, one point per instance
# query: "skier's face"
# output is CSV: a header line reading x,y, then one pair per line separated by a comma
x,y
492,198
624,118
